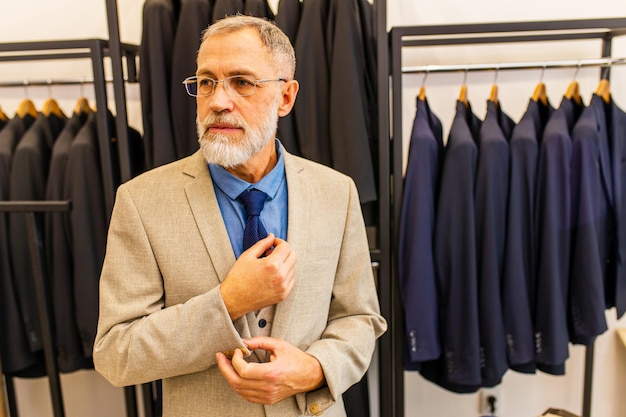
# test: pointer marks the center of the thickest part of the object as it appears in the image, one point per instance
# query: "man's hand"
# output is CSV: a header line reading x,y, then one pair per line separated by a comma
x,y
255,282
289,372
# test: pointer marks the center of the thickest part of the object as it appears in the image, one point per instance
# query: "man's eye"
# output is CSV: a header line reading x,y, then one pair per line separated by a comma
x,y
205,82
243,82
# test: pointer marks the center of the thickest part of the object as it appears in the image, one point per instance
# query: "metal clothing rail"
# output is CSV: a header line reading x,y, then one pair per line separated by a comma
x,y
54,82
465,34
95,50
600,62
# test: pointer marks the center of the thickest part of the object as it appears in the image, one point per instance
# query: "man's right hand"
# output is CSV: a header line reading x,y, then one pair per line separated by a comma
x,y
256,281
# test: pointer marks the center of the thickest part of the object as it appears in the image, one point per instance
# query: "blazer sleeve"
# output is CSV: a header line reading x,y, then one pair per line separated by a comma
x,y
139,340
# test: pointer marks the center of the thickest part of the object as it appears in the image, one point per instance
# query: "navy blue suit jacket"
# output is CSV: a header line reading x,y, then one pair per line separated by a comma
x,y
518,282
416,266
490,199
597,274
455,261
553,228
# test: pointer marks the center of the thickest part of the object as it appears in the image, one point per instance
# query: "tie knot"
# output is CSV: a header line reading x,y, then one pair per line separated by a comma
x,y
253,201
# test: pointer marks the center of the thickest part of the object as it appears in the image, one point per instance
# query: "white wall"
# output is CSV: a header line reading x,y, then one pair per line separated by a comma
x,y
87,394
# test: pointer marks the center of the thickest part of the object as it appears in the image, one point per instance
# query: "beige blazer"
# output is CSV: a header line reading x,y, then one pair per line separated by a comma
x,y
161,314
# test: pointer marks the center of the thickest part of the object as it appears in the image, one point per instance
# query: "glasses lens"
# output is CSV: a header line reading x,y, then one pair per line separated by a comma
x,y
204,86
241,85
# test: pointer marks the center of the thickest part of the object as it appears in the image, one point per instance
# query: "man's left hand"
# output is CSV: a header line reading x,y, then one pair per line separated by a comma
x,y
289,372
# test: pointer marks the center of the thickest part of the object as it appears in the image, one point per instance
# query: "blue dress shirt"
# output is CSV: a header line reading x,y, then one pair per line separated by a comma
x,y
274,214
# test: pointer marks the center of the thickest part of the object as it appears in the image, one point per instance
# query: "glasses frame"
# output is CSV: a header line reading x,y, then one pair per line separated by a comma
x,y
194,79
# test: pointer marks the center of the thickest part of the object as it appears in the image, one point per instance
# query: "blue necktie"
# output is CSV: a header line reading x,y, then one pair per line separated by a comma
x,y
253,201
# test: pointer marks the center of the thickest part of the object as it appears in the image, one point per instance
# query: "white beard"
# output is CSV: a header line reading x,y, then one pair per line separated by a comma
x,y
226,152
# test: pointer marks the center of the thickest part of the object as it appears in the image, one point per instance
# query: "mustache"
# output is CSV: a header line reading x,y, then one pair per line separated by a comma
x,y
219,119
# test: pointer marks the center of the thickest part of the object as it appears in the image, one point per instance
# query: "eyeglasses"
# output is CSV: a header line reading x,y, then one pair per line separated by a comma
x,y
241,85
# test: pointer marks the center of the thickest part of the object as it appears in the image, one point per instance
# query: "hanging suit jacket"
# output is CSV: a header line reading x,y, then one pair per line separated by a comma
x,y
313,73
155,80
225,8
88,225
490,200
195,16
15,353
416,264
598,275
258,8
333,256
59,258
29,173
288,19
351,138
553,228
518,282
458,369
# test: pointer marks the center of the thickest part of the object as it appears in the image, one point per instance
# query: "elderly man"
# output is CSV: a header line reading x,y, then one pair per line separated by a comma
x,y
239,275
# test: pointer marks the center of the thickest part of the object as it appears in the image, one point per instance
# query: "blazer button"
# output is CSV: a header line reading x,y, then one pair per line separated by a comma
x,y
314,408
262,323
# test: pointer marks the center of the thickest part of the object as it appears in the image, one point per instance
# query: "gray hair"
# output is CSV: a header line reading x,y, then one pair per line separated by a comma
x,y
274,39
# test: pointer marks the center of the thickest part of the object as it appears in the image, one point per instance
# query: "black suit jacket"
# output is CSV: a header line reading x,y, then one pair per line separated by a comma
x,y
313,73
16,355
288,19
225,8
59,255
416,264
553,228
351,138
518,283
29,173
155,80
195,16
88,224
597,279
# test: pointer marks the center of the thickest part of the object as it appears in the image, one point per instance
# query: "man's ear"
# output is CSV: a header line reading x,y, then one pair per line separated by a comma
x,y
289,92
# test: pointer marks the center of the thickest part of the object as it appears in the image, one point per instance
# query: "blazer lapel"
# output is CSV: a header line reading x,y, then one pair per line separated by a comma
x,y
201,197
299,208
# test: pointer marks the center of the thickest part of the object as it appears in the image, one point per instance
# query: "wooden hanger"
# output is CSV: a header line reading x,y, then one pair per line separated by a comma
x,y
422,94
82,106
463,95
573,92
604,90
51,107
539,95
26,108
493,95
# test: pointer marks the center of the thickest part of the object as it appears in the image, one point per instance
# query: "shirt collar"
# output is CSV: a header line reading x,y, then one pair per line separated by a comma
x,y
233,186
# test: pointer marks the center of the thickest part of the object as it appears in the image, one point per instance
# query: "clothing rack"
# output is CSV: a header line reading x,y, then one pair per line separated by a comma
x,y
96,50
462,34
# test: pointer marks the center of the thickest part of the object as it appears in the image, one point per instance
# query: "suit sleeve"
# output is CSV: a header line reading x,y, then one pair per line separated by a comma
x,y
138,340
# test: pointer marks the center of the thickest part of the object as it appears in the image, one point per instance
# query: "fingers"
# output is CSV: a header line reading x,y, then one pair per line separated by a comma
x,y
262,246
261,342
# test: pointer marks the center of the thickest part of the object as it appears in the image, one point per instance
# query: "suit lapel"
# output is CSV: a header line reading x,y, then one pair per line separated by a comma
x,y
299,209
201,196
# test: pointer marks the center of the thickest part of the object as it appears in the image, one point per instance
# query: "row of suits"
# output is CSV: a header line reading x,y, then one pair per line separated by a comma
x,y
512,238
334,118
49,156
